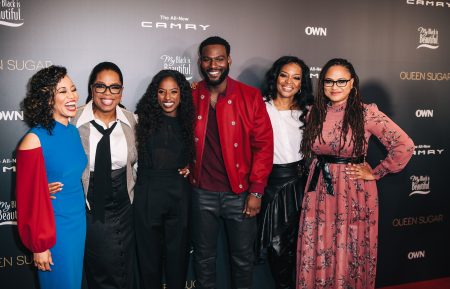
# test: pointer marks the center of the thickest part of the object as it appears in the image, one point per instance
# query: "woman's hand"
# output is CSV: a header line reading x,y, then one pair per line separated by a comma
x,y
54,188
43,260
359,172
184,171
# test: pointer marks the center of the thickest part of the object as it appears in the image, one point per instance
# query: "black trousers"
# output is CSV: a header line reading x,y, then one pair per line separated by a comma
x,y
207,209
110,246
162,202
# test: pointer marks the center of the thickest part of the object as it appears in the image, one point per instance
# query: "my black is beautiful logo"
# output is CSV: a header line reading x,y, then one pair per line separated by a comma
x,y
8,213
420,185
10,13
428,38
181,64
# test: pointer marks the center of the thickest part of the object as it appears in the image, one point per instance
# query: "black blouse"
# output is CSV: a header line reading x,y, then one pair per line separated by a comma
x,y
165,147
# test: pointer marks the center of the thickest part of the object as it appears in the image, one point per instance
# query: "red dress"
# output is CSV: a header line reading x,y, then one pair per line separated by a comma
x,y
337,245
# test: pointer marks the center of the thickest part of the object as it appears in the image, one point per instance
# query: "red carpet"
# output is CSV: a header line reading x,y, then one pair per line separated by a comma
x,y
443,283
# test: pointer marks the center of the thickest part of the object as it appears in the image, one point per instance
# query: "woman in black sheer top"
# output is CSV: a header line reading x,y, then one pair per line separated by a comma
x,y
164,135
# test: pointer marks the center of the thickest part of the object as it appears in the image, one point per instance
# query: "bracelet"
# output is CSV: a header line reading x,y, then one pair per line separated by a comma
x,y
256,195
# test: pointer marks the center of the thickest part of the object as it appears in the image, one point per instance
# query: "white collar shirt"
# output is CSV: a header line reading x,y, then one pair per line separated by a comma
x,y
118,142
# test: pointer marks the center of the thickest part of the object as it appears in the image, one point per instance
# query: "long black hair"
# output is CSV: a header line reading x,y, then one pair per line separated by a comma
x,y
353,115
149,112
303,98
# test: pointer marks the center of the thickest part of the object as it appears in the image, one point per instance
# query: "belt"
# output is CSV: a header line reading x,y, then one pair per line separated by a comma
x,y
322,165
285,170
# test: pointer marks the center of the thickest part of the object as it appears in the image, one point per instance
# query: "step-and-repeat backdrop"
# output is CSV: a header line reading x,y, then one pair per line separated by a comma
x,y
400,49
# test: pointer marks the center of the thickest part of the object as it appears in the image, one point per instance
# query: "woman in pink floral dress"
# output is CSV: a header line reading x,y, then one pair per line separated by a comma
x,y
337,245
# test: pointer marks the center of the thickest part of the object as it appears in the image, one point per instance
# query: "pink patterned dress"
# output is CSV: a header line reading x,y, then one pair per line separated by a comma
x,y
337,241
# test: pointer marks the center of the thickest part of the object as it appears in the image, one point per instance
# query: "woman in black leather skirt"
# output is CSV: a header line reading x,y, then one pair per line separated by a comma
x,y
287,95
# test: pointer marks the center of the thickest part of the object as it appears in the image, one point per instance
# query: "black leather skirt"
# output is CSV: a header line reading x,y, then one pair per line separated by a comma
x,y
280,209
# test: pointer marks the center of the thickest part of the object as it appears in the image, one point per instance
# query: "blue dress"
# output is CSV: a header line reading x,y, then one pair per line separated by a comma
x,y
65,161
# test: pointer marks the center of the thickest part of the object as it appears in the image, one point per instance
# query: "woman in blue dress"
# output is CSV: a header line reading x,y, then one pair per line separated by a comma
x,y
53,229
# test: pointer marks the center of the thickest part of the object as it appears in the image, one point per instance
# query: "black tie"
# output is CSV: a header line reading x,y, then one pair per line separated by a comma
x,y
102,171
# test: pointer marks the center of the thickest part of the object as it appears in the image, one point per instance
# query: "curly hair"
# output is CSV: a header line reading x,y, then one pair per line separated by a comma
x,y
303,98
37,106
149,113
353,115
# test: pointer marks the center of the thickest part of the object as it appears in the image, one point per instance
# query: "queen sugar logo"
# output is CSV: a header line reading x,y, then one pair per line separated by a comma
x,y
10,13
181,64
420,185
428,38
8,213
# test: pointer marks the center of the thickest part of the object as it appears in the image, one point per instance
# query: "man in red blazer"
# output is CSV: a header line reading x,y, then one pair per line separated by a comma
x,y
234,155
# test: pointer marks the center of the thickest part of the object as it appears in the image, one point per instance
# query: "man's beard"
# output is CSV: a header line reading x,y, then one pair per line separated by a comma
x,y
217,82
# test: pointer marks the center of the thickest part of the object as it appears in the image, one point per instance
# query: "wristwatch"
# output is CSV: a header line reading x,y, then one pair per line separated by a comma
x,y
256,195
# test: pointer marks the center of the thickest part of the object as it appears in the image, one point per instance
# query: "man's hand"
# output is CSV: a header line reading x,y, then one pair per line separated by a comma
x,y
252,206
184,171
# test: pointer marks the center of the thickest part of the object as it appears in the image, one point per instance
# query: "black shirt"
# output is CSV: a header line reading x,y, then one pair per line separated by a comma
x,y
165,147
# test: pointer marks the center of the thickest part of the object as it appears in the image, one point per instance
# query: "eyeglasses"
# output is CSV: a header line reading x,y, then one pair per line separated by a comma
x,y
101,88
339,82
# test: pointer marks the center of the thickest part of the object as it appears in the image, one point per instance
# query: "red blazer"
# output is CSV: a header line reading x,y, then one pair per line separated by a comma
x,y
245,134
